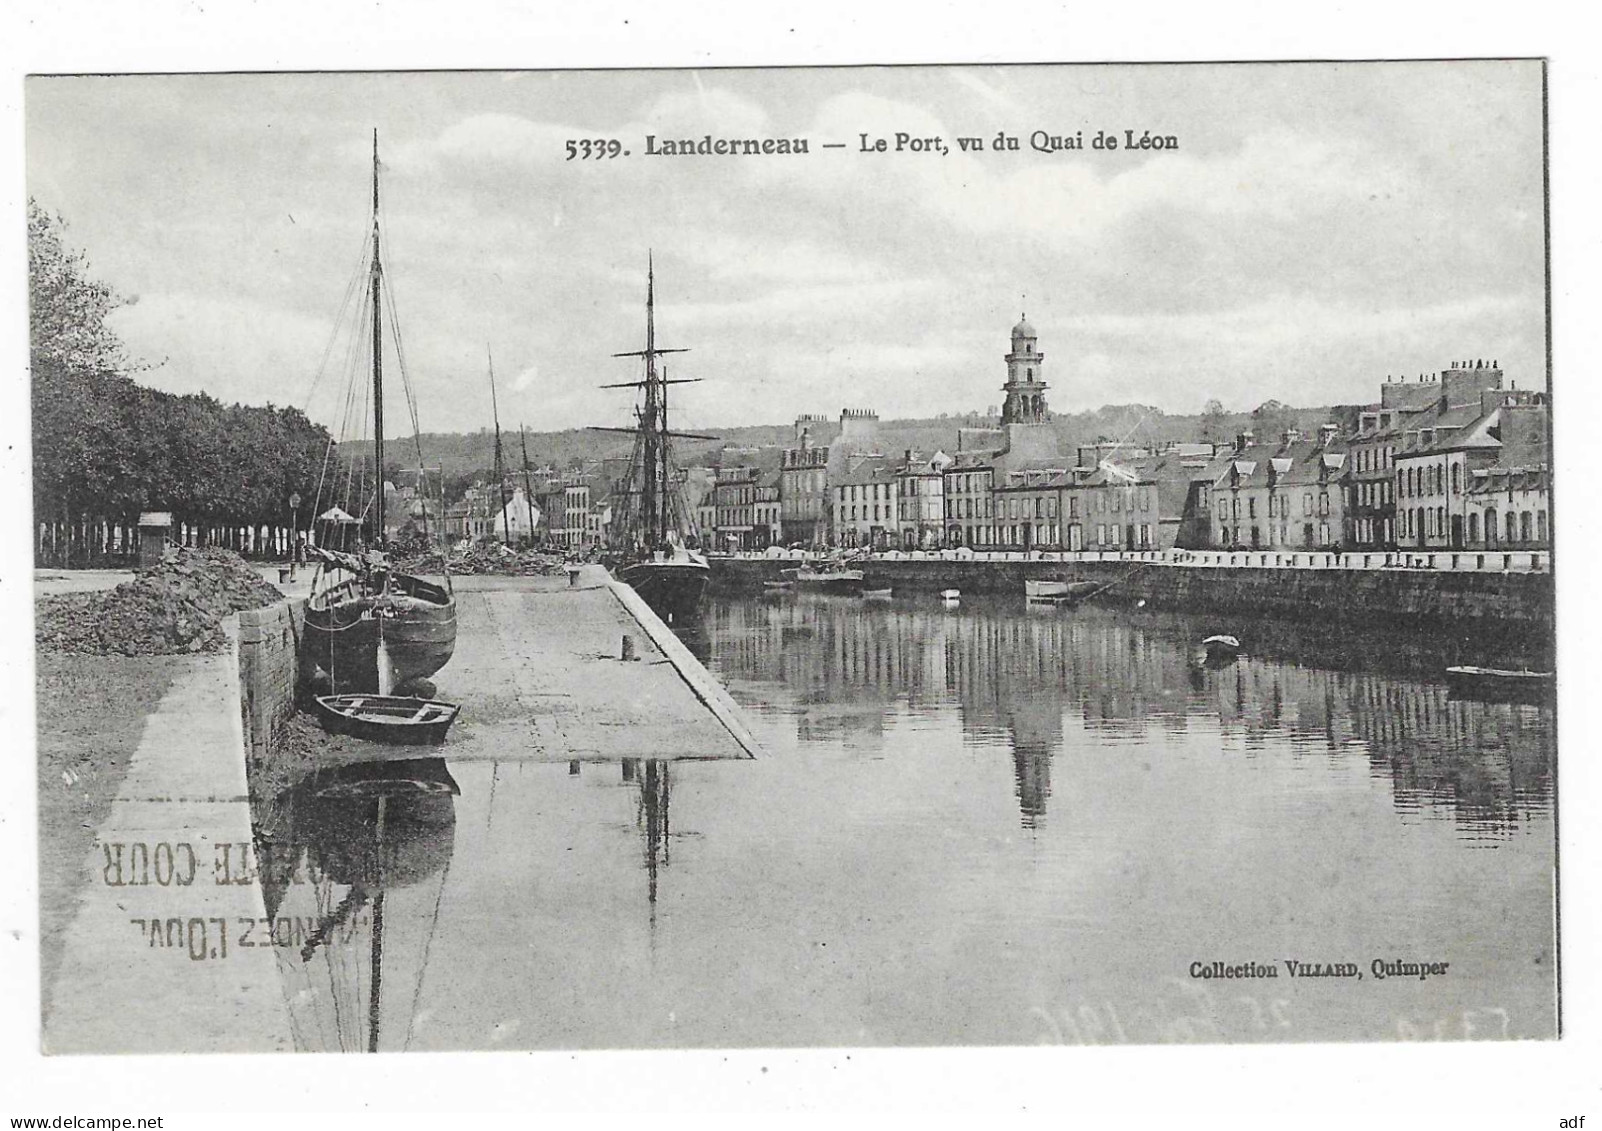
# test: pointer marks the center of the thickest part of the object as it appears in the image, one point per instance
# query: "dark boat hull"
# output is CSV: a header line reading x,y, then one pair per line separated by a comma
x,y
344,630
388,719
673,589
1500,686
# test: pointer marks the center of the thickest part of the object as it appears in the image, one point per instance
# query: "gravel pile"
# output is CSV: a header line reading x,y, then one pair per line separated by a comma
x,y
496,559
177,606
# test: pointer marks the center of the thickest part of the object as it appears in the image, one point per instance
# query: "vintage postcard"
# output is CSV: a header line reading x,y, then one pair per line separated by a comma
x,y
751,558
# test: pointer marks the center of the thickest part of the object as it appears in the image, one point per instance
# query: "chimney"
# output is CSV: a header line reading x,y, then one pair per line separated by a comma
x,y
1290,436
1243,440
1326,434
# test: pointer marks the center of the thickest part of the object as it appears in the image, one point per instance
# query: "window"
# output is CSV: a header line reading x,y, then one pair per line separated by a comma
x,y
1457,479
1251,507
1307,502
1512,526
1540,526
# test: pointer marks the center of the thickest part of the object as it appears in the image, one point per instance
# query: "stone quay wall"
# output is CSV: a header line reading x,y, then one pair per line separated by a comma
x,y
269,670
1519,602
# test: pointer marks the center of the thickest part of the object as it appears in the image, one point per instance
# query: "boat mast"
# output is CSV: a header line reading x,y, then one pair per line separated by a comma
x,y
662,525
649,420
378,366
528,485
650,428
500,472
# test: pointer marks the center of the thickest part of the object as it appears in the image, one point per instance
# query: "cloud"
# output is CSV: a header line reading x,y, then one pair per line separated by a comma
x,y
727,257
236,348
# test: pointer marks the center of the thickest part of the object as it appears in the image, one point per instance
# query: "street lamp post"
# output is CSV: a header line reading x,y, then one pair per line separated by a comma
x,y
294,531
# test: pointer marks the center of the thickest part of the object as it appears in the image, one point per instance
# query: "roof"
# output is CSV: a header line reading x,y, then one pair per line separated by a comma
x,y
868,469
970,460
1469,428
1491,480
1299,463
1023,329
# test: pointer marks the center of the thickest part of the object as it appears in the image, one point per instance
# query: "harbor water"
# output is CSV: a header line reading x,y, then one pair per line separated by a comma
x,y
985,823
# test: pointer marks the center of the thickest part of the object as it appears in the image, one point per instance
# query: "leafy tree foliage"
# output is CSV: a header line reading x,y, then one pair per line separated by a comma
x,y
106,448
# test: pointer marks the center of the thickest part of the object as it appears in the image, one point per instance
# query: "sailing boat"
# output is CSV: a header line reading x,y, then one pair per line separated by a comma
x,y
649,551
377,630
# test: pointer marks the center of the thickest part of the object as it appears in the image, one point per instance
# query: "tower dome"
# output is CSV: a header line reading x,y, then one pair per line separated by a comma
x,y
1025,390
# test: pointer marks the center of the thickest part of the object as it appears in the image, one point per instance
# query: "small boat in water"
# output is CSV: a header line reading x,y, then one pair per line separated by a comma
x,y
1500,685
1059,589
950,596
1220,649
392,719
829,580
876,594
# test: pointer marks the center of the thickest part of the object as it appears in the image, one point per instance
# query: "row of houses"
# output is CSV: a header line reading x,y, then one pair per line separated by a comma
x,y
1457,460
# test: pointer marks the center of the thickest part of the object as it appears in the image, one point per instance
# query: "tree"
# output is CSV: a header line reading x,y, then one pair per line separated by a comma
x,y
1270,419
66,309
1214,422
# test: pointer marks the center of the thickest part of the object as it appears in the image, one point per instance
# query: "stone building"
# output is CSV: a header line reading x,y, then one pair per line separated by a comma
x,y
920,500
1025,389
1029,508
966,494
1440,450
804,485
1288,495
865,513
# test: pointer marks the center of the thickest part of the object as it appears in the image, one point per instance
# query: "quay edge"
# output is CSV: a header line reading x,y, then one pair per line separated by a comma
x,y
1520,602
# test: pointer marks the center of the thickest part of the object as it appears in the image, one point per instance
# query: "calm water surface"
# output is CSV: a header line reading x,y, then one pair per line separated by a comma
x,y
985,824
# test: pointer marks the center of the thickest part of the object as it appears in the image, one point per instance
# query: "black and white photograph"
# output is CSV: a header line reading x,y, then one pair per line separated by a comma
x,y
794,558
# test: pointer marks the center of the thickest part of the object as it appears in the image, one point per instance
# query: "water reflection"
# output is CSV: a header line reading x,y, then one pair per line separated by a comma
x,y
1015,674
353,862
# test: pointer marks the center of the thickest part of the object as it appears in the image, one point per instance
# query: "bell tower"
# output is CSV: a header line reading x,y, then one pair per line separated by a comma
x,y
1026,386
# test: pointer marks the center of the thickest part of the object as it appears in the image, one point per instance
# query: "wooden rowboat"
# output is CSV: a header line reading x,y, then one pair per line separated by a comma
x,y
1499,685
1059,590
391,719
877,594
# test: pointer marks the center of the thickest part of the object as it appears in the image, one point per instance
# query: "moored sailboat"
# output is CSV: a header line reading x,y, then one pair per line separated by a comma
x,y
650,516
377,629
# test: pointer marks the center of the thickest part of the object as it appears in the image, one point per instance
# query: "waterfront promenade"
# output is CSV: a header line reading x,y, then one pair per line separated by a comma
x,y
1506,592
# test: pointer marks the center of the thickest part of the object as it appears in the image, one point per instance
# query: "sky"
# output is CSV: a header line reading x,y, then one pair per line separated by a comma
x,y
1318,228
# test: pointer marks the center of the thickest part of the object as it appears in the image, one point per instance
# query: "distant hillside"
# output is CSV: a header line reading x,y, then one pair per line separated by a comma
x,y
465,455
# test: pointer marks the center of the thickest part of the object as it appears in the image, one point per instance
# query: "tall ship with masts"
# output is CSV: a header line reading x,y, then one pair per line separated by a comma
x,y
650,515
370,627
